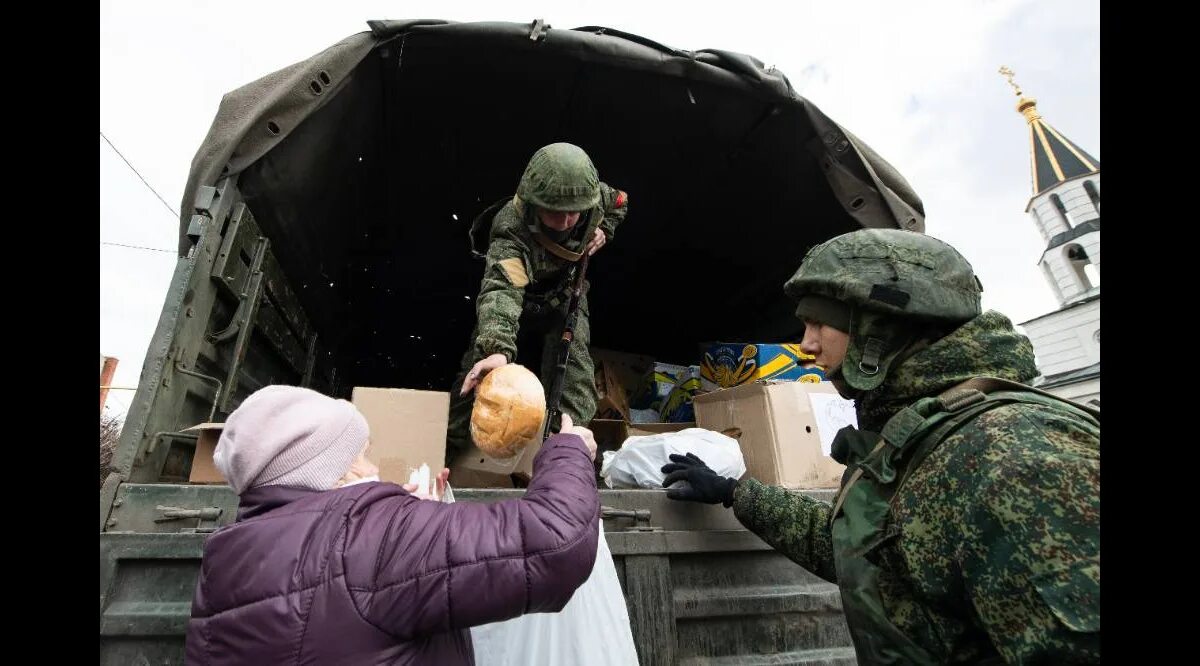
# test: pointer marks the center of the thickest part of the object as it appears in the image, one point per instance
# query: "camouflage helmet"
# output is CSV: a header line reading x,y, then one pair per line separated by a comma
x,y
893,281
560,177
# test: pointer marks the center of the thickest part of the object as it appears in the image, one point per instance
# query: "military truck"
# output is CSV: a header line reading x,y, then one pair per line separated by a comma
x,y
323,242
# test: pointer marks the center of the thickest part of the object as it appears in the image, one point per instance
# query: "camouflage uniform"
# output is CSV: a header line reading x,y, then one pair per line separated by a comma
x,y
526,283
977,542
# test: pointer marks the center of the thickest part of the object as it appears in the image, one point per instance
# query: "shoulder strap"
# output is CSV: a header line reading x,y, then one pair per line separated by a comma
x,y
986,385
554,248
481,228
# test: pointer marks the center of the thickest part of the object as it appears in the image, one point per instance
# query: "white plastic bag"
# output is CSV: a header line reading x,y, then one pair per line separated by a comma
x,y
638,463
591,630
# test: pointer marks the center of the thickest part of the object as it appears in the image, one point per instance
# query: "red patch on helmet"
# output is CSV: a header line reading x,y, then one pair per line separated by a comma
x,y
621,199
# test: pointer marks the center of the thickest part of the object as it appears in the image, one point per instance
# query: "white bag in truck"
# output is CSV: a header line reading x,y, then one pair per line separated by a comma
x,y
591,630
638,463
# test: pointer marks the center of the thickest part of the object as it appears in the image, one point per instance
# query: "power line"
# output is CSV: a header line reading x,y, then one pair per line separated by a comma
x,y
139,175
138,247
120,402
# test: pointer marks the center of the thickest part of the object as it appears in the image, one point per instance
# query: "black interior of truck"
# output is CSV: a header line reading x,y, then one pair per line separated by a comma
x,y
368,202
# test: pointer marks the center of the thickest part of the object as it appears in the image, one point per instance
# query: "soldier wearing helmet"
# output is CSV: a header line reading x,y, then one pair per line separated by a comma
x,y
967,525
531,244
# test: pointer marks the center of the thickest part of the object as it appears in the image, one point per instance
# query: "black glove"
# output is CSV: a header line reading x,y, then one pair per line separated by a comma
x,y
705,485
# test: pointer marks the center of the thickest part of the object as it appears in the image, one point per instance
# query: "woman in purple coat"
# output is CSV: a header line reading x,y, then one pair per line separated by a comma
x,y
328,565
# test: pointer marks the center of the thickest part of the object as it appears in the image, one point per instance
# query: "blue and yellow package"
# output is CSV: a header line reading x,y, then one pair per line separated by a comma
x,y
655,386
677,408
729,364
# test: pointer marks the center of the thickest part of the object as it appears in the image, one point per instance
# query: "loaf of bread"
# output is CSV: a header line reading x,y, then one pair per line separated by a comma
x,y
510,405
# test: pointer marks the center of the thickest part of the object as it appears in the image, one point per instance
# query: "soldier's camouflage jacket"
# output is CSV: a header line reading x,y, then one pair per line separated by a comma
x,y
997,551
521,272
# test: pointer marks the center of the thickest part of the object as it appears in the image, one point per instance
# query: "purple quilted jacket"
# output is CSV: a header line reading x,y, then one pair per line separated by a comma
x,y
369,574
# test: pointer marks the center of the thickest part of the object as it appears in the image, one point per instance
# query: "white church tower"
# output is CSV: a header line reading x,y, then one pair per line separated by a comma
x,y
1065,206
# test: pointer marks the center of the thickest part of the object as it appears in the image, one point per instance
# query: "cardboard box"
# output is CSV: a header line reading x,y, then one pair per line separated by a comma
x,y
408,429
610,434
627,368
782,438
464,477
476,469
618,377
612,401
728,364
203,469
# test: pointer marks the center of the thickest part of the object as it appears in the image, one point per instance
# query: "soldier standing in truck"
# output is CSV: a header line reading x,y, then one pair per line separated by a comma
x,y
532,245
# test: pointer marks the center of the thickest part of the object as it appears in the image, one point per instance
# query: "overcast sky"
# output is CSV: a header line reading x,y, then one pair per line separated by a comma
x,y
916,80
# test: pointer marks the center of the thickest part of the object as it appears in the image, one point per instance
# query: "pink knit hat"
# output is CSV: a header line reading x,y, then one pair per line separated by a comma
x,y
289,436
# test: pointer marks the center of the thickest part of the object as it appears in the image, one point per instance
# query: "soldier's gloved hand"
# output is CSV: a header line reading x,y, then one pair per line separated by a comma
x,y
705,485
